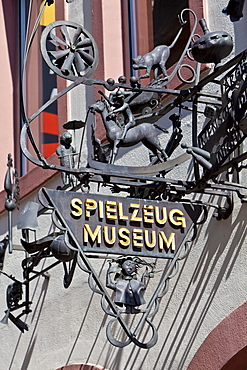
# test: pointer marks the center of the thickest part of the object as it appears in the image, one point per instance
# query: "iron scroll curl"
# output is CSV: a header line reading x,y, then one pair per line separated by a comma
x,y
132,338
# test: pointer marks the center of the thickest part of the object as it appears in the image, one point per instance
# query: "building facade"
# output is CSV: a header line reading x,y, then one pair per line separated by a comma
x,y
201,320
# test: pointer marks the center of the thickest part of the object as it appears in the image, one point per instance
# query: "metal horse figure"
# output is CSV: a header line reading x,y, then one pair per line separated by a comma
x,y
143,132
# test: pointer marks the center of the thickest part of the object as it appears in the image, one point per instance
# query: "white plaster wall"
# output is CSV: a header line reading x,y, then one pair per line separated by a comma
x,y
240,29
68,326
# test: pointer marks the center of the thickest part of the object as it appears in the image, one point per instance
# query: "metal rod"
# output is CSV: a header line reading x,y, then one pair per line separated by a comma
x,y
10,231
82,137
41,272
194,135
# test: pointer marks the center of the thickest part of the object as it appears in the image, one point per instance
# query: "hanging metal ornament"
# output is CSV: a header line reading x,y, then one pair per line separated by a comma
x,y
11,186
76,53
213,46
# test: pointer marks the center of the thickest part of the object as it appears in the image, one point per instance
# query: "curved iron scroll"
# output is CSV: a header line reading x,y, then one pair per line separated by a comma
x,y
98,287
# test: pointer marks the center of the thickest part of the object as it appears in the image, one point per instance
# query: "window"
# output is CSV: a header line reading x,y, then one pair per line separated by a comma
x,y
166,26
137,29
149,23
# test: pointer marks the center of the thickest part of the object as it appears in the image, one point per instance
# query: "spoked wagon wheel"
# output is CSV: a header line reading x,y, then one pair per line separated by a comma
x,y
69,50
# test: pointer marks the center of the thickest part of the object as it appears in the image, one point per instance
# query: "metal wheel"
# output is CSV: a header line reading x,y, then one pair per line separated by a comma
x,y
69,50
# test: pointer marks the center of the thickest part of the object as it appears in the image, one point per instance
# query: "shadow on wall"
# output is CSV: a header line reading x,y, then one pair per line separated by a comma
x,y
188,328
31,345
212,268
217,255
184,326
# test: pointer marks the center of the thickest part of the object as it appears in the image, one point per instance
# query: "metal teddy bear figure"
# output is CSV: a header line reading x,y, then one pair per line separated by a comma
x,y
128,290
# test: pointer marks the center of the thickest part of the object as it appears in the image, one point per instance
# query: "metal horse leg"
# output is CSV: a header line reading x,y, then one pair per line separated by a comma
x,y
154,145
114,151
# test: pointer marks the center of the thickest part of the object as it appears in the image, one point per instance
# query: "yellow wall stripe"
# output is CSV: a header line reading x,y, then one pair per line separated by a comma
x,y
48,15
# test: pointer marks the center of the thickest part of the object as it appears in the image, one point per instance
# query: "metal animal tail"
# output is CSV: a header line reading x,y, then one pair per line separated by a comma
x,y
182,22
161,128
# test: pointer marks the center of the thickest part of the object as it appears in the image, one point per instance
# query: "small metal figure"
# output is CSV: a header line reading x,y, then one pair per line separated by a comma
x,y
129,290
121,101
129,119
143,132
3,246
113,98
11,186
14,294
66,154
156,59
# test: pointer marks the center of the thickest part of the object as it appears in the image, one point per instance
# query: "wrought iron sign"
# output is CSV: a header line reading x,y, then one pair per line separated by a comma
x,y
112,225
223,133
155,218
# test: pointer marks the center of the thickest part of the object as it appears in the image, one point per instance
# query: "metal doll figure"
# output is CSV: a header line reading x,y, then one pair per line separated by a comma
x,y
128,290
124,108
122,129
66,153
120,101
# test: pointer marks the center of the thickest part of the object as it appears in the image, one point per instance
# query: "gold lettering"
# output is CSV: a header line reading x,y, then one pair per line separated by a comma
x,y
113,235
120,212
137,237
180,221
148,214
111,208
93,235
90,205
135,211
101,210
76,207
126,240
170,243
157,215
146,239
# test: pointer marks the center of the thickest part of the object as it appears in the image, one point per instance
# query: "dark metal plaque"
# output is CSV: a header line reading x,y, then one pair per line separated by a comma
x,y
125,226
221,136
